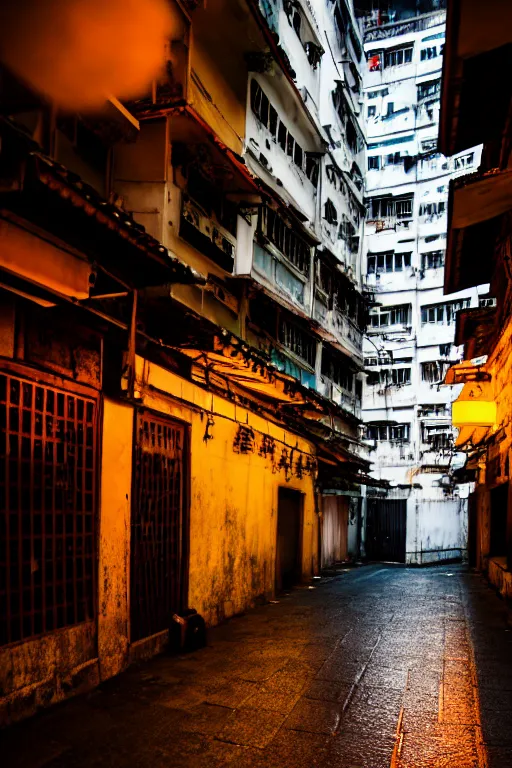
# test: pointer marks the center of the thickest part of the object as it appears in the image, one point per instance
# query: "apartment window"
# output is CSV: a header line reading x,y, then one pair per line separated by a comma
x,y
312,168
464,161
297,341
388,432
434,371
354,139
384,317
432,260
378,94
387,207
372,110
374,163
314,54
278,273
272,226
430,88
335,367
400,377
388,262
374,61
402,261
433,410
394,158
431,52
340,103
294,18
438,436
330,212
443,314
403,208
383,359
487,302
267,115
386,377
398,56
432,209
334,176
429,145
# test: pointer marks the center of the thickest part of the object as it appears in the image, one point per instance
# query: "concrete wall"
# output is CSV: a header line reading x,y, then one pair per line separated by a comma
x,y
436,530
114,538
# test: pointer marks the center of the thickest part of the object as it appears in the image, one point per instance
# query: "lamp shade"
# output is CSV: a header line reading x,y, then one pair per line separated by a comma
x,y
475,406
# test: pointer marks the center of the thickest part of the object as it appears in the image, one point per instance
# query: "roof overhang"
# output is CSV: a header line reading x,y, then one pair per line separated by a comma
x,y
232,174
475,97
57,201
465,372
475,328
475,206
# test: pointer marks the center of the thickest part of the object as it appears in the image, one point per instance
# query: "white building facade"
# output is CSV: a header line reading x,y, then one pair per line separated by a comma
x,y
409,342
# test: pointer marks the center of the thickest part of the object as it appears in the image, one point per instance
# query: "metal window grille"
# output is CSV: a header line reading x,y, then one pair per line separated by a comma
x,y
157,524
298,341
291,245
48,445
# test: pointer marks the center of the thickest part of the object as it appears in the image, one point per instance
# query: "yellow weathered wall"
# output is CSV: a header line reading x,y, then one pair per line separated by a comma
x,y
114,538
483,505
499,366
42,671
233,504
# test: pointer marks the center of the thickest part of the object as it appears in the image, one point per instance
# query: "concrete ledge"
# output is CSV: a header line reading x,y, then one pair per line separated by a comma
x,y
28,700
436,556
144,649
499,576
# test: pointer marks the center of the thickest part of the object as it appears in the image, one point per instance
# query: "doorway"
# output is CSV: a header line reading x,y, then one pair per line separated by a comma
x,y
499,507
289,538
472,530
334,529
157,538
385,530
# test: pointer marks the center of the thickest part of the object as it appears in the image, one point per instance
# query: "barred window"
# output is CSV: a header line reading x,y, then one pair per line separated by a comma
x,y
388,262
388,432
298,341
434,371
432,209
387,207
437,436
48,446
336,368
443,314
383,317
387,377
282,236
267,115
430,88
398,56
432,260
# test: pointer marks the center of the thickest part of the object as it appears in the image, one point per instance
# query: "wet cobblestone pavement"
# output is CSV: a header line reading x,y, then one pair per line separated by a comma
x,y
380,667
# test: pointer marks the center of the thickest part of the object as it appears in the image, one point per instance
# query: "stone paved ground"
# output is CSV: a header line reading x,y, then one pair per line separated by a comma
x,y
379,667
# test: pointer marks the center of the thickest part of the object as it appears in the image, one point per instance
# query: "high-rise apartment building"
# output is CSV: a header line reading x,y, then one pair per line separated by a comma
x,y
409,344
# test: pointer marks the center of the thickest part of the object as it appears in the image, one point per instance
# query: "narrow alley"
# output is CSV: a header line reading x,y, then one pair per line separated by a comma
x,y
377,667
